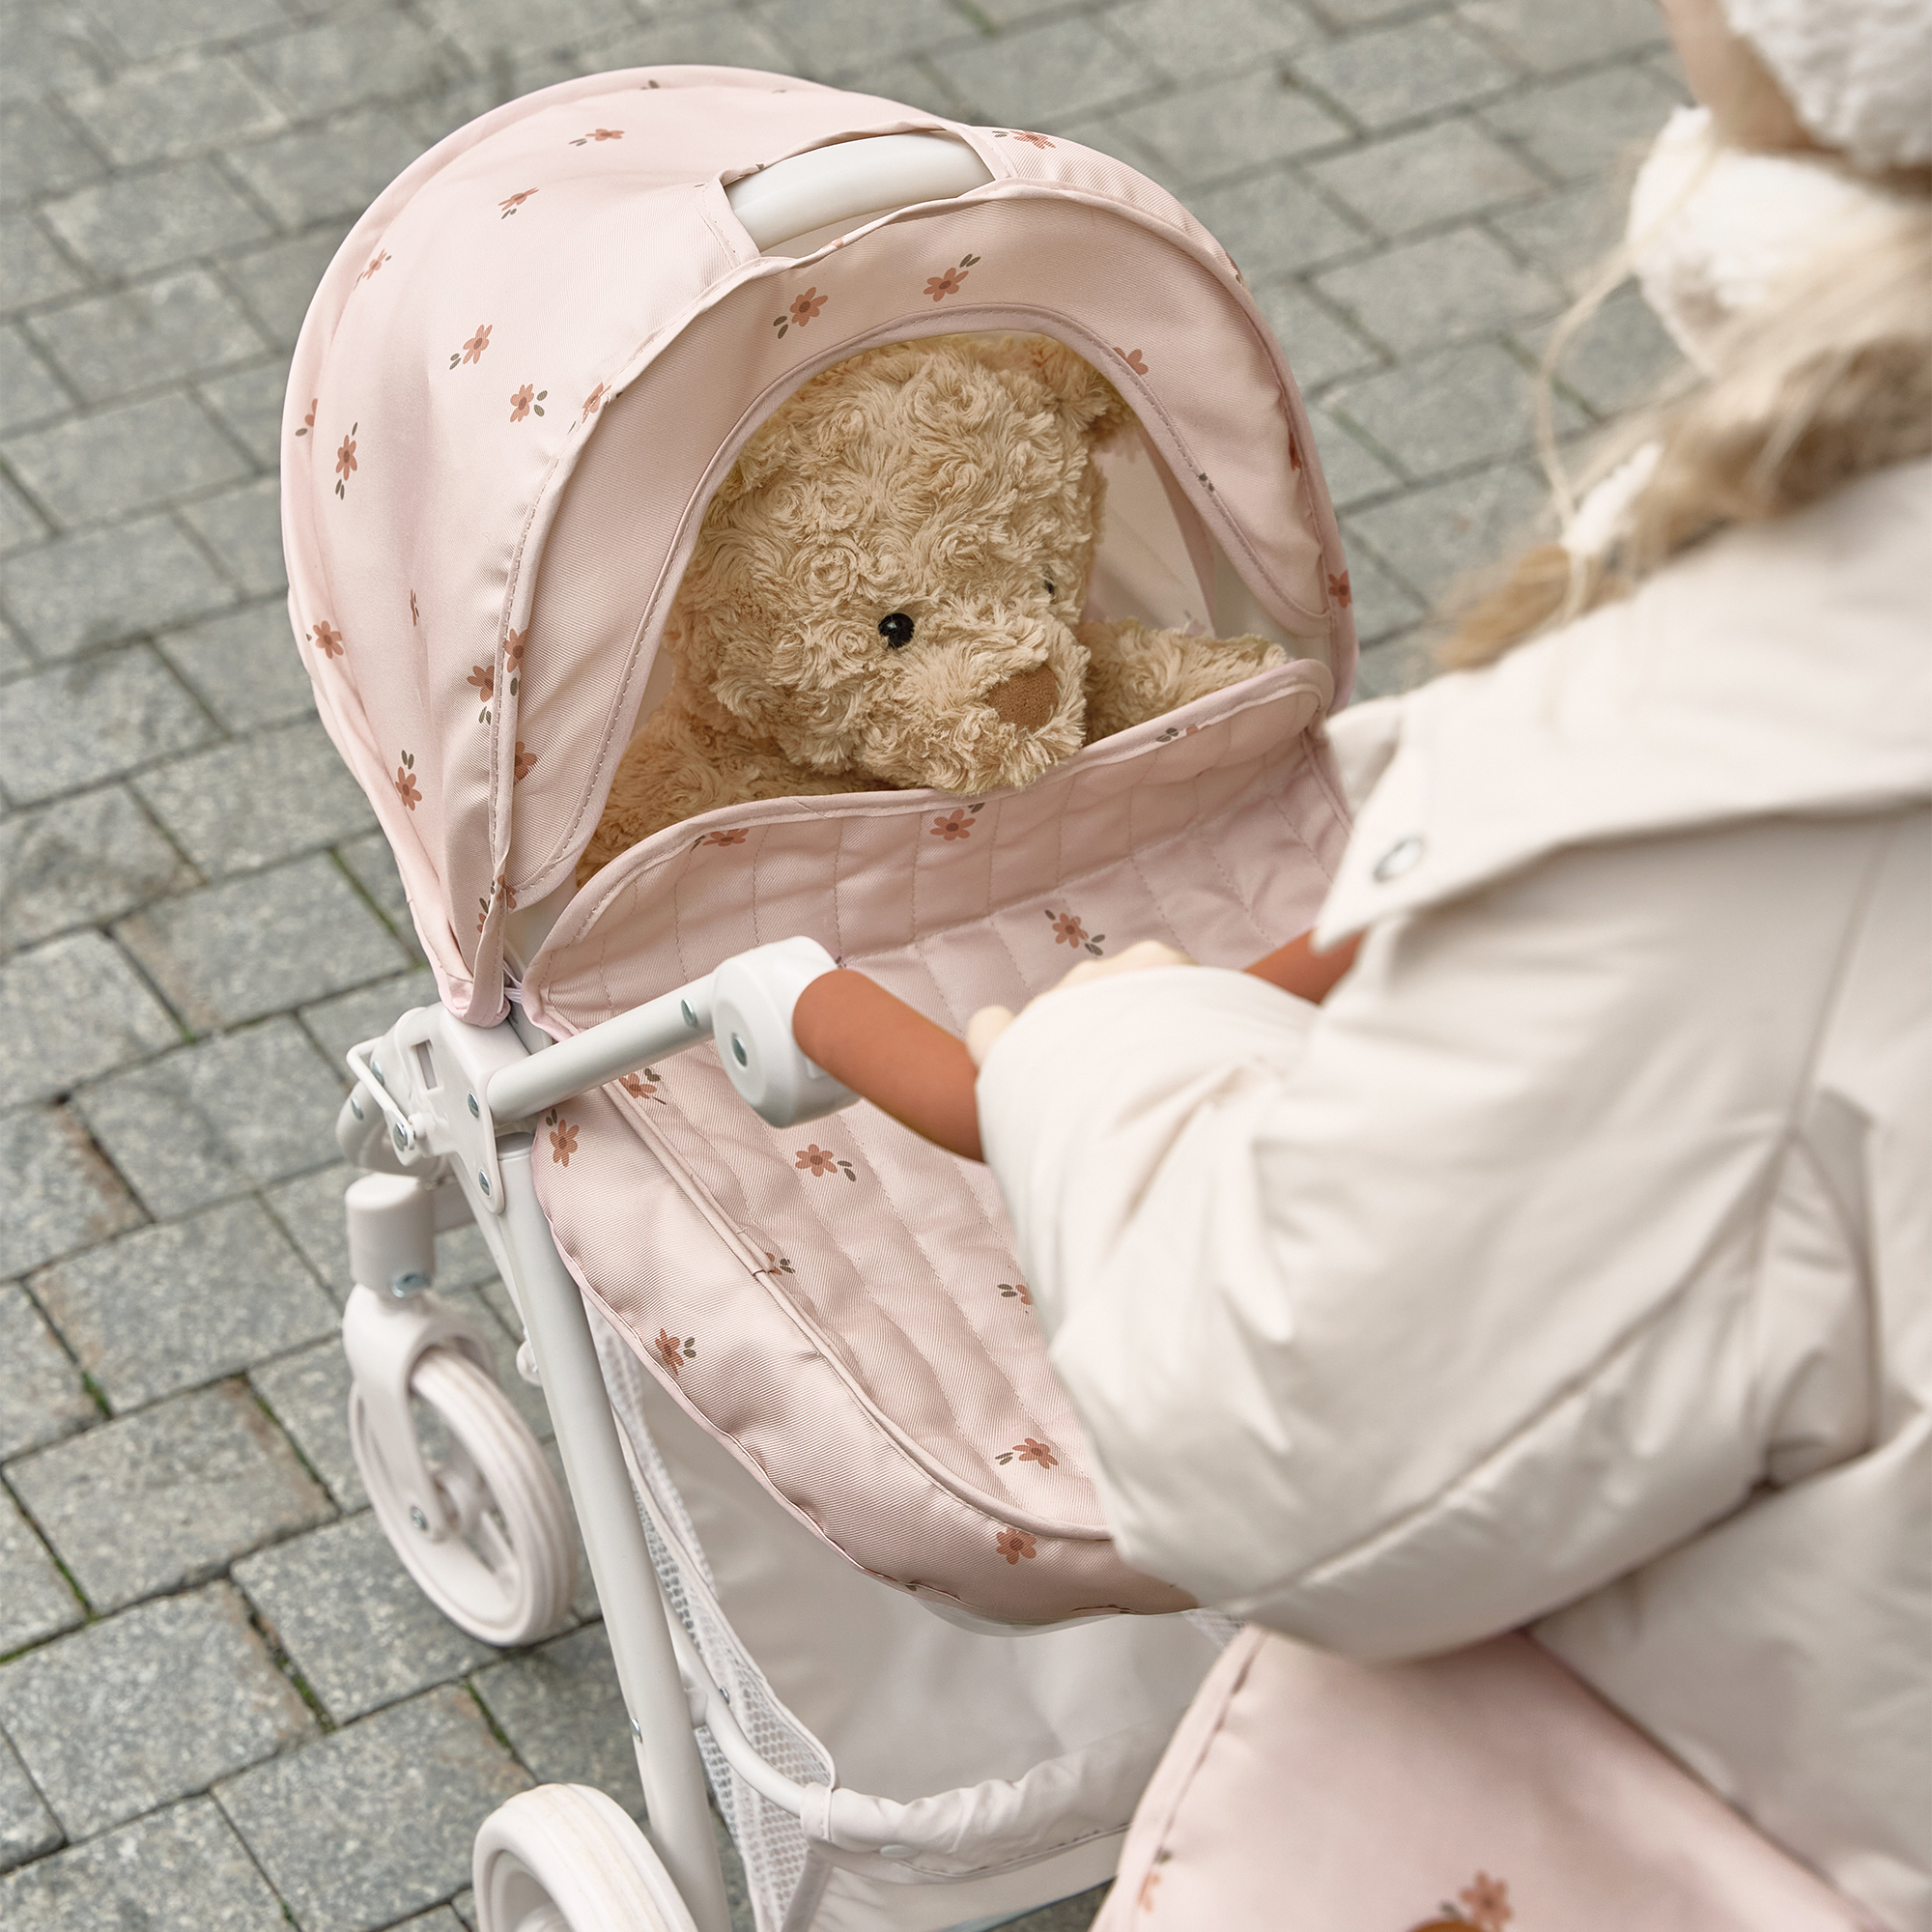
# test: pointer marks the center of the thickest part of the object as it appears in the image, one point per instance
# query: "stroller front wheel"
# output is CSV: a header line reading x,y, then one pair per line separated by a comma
x,y
507,1568
564,1858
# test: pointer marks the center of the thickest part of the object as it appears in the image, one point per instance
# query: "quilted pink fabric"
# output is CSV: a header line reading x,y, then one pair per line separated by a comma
x,y
839,1302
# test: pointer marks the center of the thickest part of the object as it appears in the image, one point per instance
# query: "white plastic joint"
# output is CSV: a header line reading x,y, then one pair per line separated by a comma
x,y
752,999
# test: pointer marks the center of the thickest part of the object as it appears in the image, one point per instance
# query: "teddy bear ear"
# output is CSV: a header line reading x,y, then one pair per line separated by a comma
x,y
1083,394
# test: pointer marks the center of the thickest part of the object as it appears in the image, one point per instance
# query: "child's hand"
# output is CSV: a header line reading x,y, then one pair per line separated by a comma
x,y
990,1022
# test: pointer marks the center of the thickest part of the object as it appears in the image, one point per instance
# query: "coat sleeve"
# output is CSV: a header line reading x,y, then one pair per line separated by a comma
x,y
1403,1320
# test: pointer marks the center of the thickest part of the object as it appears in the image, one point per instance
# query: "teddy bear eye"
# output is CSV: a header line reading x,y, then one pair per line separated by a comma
x,y
1050,590
897,630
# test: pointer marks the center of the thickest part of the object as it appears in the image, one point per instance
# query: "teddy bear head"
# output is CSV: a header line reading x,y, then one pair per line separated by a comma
x,y
888,581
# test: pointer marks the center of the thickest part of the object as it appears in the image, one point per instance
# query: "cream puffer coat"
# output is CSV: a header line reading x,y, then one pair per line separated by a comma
x,y
1572,1266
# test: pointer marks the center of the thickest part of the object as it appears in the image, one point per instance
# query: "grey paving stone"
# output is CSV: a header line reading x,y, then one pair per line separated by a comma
x,y
1383,604
180,1870
95,590
231,1113
438,1920
338,1024
87,858
334,170
166,1308
27,1828
154,220
1319,345
258,945
61,1194
244,666
834,42
161,1499
1428,294
122,459
70,1010
34,1601
147,31
1432,537
708,37
1568,234
20,525
1210,37
308,1393
250,404
183,324
278,281
1226,126
1351,469
1442,172
310,1209
36,270
299,796
1401,663
1586,127
1620,358
147,1706
244,527
1275,223
1396,73
489,27
40,153
1552,38
93,719
30,392
183,106
41,1395
356,57
563,1713
1447,412
351,1620
373,869
375,1821
46,49
1042,76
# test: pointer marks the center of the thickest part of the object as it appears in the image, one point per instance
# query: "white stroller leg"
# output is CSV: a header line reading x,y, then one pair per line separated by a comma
x,y
636,1616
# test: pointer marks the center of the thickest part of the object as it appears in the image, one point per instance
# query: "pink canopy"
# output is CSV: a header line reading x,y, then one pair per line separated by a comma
x,y
539,353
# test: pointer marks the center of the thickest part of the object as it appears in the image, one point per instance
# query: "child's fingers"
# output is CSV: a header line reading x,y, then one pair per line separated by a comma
x,y
1137,958
983,1029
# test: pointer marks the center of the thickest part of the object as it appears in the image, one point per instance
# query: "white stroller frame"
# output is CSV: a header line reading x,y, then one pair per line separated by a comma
x,y
440,1115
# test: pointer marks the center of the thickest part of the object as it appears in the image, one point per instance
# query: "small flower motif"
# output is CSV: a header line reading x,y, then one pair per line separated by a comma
x,y
1174,731
562,1143
672,1353
525,400
1017,1291
594,400
1294,451
1489,1902
522,765
375,261
599,134
1030,1450
644,1086
1338,588
1015,1544
484,678
308,421
404,781
511,203
952,825
513,648
502,890
328,639
416,613
820,1161
939,287
346,465
1069,931
806,306
775,1265
1032,140
473,349
1134,359
734,836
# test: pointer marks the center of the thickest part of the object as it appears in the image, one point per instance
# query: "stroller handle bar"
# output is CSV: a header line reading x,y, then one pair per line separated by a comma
x,y
849,178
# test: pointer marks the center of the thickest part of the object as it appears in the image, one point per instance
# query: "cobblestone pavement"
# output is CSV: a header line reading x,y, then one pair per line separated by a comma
x,y
222,1704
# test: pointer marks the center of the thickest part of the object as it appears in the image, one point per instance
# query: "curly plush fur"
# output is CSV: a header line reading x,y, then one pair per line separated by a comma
x,y
949,482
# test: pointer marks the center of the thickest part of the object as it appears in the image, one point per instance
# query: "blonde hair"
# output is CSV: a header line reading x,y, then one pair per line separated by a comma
x,y
1830,384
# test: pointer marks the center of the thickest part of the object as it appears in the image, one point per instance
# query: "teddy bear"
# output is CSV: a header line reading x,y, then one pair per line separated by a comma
x,y
887,593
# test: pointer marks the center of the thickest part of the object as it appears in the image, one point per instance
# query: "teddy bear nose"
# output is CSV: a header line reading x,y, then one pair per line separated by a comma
x,y
1025,698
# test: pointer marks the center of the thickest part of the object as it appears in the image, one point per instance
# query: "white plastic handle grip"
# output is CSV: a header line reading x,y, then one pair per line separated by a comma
x,y
751,1000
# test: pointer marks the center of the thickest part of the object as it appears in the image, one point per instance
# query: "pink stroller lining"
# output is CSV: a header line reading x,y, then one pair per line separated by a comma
x,y
839,1302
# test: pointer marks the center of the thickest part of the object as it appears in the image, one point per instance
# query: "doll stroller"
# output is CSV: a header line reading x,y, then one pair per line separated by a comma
x,y
840,1521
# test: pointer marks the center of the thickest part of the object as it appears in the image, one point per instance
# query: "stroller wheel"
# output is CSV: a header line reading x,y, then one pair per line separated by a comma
x,y
564,1858
508,1569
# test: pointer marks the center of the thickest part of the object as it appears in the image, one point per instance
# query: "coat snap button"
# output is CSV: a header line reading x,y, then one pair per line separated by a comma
x,y
1403,856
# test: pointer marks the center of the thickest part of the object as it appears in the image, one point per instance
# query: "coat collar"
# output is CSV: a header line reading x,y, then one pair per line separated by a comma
x,y
1782,667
